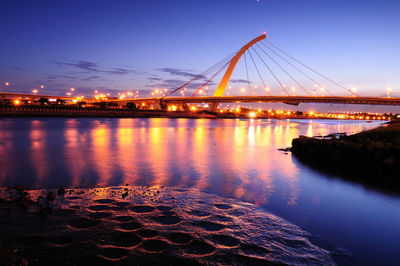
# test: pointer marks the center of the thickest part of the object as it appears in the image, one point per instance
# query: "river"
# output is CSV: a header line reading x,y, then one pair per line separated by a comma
x,y
229,157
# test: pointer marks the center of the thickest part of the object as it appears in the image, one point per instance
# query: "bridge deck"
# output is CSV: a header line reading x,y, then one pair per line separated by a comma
x,y
275,99
294,100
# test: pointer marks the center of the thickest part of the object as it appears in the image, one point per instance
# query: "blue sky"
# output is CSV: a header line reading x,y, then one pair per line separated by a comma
x,y
119,45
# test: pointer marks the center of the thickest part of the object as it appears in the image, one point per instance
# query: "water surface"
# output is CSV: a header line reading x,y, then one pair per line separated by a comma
x,y
231,158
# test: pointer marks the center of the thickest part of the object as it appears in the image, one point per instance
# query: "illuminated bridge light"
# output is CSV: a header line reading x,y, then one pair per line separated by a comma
x,y
252,114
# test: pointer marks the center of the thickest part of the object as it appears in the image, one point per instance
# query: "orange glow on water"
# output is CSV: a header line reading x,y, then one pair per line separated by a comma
x,y
102,152
73,152
38,154
236,157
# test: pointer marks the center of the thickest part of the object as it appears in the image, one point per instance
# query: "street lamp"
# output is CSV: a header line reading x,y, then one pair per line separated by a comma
x,y
353,90
388,92
267,90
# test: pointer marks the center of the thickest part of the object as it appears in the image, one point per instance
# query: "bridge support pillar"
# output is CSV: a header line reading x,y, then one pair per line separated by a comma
x,y
185,107
213,107
158,105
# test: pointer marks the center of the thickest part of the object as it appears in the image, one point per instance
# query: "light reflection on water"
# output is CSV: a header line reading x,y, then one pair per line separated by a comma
x,y
232,158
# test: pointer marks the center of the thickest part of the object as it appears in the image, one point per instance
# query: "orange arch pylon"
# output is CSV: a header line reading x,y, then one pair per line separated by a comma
x,y
225,79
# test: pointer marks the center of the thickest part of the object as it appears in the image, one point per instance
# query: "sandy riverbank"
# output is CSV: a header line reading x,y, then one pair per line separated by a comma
x,y
145,225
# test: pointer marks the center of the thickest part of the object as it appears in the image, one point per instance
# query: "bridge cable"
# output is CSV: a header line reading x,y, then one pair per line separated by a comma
x,y
287,61
247,73
284,70
257,69
272,73
202,75
316,72
212,77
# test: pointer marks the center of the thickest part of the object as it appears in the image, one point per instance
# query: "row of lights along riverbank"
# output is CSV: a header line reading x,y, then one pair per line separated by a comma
x,y
228,111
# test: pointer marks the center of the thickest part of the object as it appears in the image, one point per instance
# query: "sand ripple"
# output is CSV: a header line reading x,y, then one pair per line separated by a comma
x,y
148,225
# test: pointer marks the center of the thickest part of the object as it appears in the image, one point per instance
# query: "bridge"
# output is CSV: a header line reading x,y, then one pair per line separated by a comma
x,y
276,63
230,63
292,100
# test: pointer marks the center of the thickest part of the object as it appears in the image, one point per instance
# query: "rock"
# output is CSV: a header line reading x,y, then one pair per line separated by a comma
x,y
124,195
20,188
50,196
369,157
24,201
7,257
61,191
45,211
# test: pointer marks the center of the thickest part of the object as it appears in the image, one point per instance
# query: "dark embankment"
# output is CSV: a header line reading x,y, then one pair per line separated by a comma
x,y
371,157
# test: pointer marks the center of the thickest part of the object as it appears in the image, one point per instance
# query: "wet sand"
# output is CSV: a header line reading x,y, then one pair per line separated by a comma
x,y
129,225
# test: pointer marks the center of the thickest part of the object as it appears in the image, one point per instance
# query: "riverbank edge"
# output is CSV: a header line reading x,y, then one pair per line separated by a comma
x,y
370,157
59,112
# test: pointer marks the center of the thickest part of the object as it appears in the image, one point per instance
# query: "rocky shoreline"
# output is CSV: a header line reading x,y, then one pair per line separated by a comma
x,y
371,157
130,225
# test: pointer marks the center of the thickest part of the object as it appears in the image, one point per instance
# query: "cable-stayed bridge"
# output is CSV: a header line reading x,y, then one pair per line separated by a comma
x,y
276,64
273,68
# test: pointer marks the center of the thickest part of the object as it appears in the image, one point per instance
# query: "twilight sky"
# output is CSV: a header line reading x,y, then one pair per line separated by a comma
x,y
140,45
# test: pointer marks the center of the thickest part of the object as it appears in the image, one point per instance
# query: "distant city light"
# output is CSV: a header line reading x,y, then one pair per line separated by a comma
x,y
252,114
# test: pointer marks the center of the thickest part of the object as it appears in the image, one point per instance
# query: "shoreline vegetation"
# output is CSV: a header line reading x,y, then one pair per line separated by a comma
x,y
370,157
130,225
